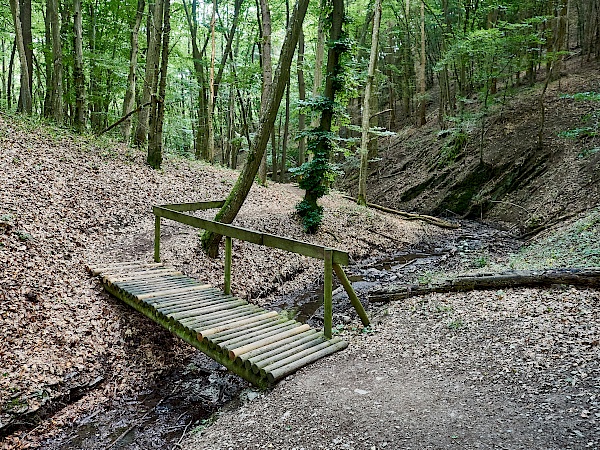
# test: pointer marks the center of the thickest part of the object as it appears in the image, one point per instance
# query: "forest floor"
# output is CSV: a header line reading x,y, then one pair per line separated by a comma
x,y
517,368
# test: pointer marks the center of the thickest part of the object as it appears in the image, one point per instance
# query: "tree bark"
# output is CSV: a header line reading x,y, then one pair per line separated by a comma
x,y
518,278
422,80
78,73
211,86
129,100
25,97
301,97
57,63
366,113
25,15
235,199
267,71
319,57
157,108
151,75
286,132
197,55
9,84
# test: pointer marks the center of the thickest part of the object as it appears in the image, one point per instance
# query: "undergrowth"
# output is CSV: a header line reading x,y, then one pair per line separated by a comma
x,y
576,245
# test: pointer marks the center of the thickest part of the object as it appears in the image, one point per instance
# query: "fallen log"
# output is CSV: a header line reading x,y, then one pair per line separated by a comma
x,y
410,216
589,277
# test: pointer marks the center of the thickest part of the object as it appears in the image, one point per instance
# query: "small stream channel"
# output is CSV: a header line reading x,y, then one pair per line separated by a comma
x,y
188,396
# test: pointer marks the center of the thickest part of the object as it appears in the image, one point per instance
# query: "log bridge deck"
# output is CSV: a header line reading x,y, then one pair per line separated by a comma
x,y
260,346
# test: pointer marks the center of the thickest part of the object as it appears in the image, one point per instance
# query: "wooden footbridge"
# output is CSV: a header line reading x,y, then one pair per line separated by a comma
x,y
258,345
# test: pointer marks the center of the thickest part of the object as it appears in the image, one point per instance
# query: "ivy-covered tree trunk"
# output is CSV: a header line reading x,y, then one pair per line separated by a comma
x,y
316,175
235,199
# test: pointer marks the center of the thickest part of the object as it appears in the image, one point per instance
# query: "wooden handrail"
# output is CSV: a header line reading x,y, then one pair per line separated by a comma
x,y
333,258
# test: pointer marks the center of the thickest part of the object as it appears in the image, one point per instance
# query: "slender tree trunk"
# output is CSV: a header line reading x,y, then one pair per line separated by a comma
x,y
25,14
25,98
157,108
301,97
235,199
78,73
57,63
235,20
422,80
129,100
274,152
152,65
211,84
9,84
366,113
286,132
4,90
267,72
197,55
319,58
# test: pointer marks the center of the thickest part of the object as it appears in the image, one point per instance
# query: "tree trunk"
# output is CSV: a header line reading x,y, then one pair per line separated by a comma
x,y
315,181
78,73
319,56
235,20
366,113
286,132
157,107
197,55
129,100
57,63
47,108
517,278
267,71
422,81
235,199
211,85
152,64
25,15
9,84
25,99
4,89
301,97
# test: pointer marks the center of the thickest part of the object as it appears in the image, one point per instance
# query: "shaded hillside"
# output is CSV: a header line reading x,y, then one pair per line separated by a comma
x,y
443,173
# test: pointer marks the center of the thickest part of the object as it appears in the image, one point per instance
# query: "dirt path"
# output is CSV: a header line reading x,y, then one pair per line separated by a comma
x,y
516,370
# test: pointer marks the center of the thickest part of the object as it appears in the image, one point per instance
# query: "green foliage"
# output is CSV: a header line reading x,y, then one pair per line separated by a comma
x,y
310,215
588,152
591,129
576,245
583,96
453,147
456,324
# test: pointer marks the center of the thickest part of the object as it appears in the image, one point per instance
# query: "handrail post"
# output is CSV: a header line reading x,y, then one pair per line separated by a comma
x,y
157,239
327,292
228,248
351,294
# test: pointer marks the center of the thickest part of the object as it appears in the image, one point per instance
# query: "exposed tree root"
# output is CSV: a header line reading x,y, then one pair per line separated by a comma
x,y
579,277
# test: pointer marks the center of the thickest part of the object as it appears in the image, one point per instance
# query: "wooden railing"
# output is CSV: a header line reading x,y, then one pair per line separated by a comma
x,y
333,259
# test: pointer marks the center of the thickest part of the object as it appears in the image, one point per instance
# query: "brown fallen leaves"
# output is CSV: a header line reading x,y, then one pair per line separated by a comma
x,y
68,201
